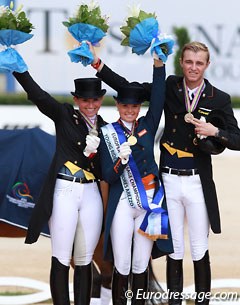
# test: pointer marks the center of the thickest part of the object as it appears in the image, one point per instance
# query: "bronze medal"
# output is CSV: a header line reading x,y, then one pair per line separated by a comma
x,y
93,132
188,117
132,140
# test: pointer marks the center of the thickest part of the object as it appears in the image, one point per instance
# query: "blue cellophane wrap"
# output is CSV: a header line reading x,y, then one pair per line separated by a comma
x,y
82,32
10,59
156,47
142,34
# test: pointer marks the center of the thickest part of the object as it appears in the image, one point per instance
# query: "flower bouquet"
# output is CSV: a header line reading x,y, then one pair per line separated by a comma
x,y
87,25
15,29
142,31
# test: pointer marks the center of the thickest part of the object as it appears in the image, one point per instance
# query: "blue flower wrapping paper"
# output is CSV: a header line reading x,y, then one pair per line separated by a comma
x,y
168,42
82,32
142,35
146,34
10,59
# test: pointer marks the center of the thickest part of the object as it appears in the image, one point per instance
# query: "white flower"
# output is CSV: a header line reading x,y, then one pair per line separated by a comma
x,y
3,10
92,5
133,10
11,5
18,10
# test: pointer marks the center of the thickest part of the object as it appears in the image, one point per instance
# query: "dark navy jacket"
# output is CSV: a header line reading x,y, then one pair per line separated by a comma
x,y
180,135
142,152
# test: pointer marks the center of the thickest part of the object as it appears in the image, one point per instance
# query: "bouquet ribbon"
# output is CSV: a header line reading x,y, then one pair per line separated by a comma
x,y
10,59
82,32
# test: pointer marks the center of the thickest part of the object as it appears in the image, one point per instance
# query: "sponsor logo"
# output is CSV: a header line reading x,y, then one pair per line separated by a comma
x,y
20,195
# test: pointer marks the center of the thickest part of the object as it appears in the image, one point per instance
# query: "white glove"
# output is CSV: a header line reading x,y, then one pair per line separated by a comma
x,y
202,118
92,142
124,152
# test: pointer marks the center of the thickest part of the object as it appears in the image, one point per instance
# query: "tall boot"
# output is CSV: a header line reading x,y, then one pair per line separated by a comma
x,y
174,280
82,284
119,288
140,284
59,283
202,277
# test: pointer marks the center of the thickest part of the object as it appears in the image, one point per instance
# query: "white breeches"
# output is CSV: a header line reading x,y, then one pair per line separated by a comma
x,y
76,221
185,200
131,250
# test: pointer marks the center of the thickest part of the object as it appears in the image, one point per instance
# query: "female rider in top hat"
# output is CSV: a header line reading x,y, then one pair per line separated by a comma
x,y
70,199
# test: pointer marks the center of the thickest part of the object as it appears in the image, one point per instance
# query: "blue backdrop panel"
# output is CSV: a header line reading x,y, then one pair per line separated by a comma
x,y
25,156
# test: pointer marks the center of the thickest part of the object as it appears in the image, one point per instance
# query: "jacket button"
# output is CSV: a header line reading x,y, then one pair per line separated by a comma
x,y
143,148
75,162
195,141
88,169
186,149
145,173
174,130
144,161
171,144
79,143
175,116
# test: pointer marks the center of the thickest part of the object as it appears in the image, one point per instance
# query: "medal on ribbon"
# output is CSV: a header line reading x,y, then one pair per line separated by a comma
x,y
131,139
155,223
188,117
92,126
93,132
190,107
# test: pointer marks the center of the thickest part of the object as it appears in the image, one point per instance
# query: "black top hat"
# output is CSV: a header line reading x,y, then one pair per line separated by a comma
x,y
88,88
210,145
131,94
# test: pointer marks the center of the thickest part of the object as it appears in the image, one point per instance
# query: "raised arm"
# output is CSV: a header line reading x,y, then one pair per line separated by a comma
x,y
43,100
111,78
157,99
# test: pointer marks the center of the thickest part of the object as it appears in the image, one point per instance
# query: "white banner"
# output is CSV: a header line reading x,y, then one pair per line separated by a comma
x,y
213,22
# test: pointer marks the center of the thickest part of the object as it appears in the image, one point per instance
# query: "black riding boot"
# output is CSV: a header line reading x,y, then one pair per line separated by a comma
x,y
59,283
140,285
202,277
174,280
82,284
119,288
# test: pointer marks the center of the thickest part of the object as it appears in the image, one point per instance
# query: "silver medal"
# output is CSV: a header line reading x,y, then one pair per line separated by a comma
x,y
93,132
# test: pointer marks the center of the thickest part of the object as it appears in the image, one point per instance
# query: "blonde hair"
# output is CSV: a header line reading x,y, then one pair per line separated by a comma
x,y
195,46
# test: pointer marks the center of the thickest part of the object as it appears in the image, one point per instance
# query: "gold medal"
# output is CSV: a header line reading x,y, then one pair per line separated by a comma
x,y
132,140
188,117
93,132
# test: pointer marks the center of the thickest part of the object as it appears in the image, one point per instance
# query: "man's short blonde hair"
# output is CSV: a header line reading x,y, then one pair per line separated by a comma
x,y
195,46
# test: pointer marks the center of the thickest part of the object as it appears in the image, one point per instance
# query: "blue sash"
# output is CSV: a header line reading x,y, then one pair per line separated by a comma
x,y
155,223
